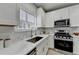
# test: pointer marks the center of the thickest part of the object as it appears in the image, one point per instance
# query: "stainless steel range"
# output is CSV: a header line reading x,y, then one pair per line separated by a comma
x,y
63,41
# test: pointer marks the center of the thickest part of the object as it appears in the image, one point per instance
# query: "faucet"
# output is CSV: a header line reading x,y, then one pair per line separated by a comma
x,y
31,33
4,40
4,37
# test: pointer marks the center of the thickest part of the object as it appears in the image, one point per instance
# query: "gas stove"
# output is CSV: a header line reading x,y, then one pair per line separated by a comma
x,y
63,36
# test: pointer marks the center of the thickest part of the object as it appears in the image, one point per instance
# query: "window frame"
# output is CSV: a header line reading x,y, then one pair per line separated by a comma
x,y
17,28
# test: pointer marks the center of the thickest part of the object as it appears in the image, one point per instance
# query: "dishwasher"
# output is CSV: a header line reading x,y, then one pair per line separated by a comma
x,y
32,52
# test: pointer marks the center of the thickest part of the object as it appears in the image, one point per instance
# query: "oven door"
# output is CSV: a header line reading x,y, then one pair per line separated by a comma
x,y
63,45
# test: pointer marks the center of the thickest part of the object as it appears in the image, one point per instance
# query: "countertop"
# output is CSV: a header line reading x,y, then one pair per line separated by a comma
x,y
21,47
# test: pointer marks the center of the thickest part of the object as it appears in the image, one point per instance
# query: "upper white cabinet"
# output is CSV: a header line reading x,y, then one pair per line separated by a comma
x,y
74,15
8,14
40,17
61,14
49,20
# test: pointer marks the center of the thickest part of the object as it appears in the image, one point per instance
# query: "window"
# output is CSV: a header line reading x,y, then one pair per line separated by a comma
x,y
31,20
27,21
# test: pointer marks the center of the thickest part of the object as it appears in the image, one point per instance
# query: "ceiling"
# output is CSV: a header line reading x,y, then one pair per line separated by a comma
x,y
53,6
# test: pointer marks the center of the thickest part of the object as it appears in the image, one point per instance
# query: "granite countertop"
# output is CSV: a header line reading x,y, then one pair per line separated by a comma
x,y
21,47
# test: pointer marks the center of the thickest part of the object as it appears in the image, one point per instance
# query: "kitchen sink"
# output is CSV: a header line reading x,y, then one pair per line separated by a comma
x,y
35,39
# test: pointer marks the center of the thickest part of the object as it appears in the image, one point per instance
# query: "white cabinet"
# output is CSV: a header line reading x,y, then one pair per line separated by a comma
x,y
49,20
61,14
56,15
8,14
74,15
40,17
51,17
76,45
50,41
42,48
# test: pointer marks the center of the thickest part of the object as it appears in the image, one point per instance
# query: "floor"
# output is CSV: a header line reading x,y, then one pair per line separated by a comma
x,y
53,52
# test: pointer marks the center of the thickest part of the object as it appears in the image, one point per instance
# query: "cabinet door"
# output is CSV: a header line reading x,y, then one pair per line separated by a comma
x,y
39,22
8,14
56,15
60,14
63,13
76,46
51,42
42,48
74,15
45,47
40,17
49,20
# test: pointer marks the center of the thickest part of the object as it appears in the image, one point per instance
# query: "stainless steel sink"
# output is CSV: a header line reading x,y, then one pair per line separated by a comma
x,y
35,39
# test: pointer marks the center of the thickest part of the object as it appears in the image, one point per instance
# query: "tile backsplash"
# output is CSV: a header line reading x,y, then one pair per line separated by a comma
x,y
49,30
46,30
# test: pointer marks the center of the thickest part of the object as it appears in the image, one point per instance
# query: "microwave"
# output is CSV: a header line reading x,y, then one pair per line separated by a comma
x,y
62,23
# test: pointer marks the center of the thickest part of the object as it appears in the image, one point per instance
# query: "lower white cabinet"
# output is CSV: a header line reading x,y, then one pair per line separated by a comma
x,y
50,41
76,45
42,48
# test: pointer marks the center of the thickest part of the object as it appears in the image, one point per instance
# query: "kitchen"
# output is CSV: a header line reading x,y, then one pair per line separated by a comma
x,y
39,29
